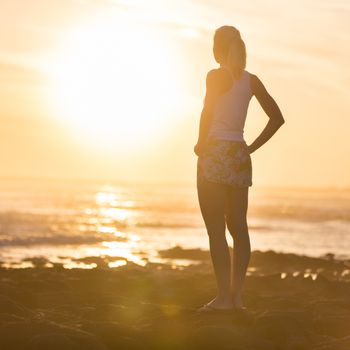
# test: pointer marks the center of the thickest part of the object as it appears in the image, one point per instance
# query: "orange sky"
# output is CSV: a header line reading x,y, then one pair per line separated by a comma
x,y
299,49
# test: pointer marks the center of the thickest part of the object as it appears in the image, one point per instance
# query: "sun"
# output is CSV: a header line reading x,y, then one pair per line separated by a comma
x,y
115,83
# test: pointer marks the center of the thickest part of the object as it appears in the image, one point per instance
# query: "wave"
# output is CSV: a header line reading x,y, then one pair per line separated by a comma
x,y
56,239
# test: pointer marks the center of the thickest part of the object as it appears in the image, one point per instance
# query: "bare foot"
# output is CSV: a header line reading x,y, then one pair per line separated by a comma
x,y
237,301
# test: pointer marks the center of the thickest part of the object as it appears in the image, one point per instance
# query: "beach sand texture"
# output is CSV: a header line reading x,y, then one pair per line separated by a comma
x,y
293,301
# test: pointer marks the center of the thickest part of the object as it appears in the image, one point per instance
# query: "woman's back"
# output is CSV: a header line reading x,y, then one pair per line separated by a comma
x,y
230,110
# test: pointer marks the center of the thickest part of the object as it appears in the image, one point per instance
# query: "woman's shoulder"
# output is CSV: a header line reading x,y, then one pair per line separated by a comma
x,y
254,78
255,82
251,75
222,74
218,77
218,73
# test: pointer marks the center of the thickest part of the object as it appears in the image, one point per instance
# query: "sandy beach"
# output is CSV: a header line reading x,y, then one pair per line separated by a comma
x,y
293,301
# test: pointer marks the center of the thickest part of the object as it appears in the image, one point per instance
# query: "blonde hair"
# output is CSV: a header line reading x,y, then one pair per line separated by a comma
x,y
229,48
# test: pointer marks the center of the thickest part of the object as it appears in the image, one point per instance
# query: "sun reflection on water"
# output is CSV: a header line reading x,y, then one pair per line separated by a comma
x,y
117,263
106,198
80,265
106,229
112,206
115,213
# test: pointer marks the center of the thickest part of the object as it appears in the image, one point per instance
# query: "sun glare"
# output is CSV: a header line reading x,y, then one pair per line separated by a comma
x,y
115,83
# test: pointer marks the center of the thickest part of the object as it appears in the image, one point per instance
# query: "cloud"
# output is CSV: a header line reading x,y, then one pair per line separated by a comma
x,y
20,74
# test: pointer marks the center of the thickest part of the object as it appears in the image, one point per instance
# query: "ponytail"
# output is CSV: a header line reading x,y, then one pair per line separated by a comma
x,y
230,48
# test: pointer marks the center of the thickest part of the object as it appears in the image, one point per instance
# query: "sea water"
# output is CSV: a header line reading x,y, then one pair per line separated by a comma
x,y
66,221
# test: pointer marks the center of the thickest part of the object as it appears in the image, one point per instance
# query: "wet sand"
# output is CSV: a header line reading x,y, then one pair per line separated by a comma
x,y
294,302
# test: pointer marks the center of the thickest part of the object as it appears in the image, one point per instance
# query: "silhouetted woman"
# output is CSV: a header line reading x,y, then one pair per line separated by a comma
x,y
224,168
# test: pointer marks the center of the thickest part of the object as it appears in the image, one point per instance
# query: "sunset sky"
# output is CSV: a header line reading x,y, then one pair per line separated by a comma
x,y
114,89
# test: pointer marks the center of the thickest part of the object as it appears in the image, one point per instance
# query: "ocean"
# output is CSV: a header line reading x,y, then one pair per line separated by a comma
x,y
71,222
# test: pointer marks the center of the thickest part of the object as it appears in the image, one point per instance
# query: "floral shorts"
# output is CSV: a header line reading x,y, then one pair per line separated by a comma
x,y
226,162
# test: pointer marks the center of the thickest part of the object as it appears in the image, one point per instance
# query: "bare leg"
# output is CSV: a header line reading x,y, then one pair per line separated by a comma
x,y
236,219
212,198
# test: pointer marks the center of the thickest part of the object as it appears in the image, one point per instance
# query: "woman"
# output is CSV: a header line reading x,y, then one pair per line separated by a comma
x,y
224,168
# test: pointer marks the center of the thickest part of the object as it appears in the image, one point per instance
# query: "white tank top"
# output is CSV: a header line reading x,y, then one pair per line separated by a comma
x,y
230,111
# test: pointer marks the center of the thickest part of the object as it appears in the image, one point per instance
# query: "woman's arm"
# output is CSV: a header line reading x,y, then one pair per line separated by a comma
x,y
217,80
272,110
